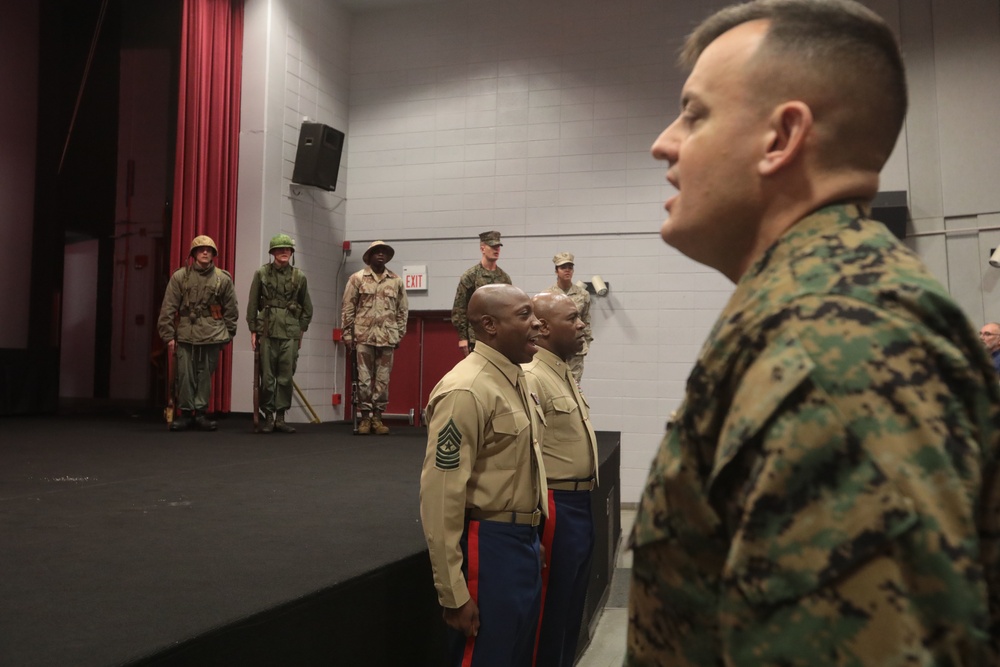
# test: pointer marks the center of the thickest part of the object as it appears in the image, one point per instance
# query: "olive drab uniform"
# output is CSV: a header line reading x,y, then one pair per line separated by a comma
x,y
470,281
828,493
569,452
279,312
482,492
200,313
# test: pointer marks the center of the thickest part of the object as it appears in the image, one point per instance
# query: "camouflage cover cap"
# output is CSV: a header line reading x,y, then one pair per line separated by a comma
x,y
563,258
281,241
378,244
491,239
203,242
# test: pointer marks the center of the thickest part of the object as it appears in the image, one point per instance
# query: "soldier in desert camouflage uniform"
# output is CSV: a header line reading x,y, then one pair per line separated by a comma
x,y
565,285
374,316
828,492
486,272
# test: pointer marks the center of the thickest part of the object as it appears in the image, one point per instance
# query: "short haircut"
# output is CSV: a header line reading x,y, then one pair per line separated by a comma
x,y
837,56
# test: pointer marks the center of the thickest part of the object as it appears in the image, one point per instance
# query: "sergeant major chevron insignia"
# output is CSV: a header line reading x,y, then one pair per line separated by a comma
x,y
448,447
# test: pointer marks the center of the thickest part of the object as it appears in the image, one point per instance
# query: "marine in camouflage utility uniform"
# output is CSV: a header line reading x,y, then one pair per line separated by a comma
x,y
279,313
581,297
199,314
828,493
373,318
472,280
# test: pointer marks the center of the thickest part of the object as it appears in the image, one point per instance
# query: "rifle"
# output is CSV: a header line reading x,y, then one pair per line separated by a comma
x,y
168,412
256,387
354,384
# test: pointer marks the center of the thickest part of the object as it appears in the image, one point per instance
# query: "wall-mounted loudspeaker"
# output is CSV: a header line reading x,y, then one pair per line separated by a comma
x,y
317,160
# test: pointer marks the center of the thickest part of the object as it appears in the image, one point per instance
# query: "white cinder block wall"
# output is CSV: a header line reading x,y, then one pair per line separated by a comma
x,y
535,119
296,66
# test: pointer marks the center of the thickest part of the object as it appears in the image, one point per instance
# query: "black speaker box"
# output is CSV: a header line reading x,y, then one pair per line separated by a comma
x,y
317,160
891,210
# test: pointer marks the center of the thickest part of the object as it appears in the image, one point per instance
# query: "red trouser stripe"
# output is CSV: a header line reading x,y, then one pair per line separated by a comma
x,y
548,534
473,584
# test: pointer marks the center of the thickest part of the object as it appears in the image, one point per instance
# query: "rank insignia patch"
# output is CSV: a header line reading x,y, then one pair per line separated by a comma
x,y
448,447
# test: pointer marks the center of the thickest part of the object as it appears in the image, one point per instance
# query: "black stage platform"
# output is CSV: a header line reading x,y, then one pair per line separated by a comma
x,y
122,543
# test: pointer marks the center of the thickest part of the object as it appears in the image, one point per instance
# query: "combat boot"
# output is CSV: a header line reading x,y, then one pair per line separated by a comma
x,y
268,423
202,421
280,425
378,426
365,426
180,422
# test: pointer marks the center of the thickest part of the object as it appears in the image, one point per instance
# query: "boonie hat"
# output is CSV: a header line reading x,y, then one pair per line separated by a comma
x,y
378,244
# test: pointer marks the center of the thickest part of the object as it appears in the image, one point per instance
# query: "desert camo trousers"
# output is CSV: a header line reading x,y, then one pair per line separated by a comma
x,y
374,367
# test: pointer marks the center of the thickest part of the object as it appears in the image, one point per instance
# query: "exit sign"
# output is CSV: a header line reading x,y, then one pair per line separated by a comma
x,y
415,277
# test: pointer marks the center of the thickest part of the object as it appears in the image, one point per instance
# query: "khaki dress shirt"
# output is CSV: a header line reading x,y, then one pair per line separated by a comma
x,y
482,453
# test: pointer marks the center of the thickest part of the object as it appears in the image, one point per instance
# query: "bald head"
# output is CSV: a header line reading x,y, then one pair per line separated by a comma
x,y
503,318
561,330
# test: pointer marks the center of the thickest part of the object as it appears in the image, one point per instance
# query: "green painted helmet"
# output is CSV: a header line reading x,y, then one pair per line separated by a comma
x,y
281,241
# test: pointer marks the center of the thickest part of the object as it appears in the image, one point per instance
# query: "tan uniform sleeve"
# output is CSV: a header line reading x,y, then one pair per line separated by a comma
x,y
349,308
454,431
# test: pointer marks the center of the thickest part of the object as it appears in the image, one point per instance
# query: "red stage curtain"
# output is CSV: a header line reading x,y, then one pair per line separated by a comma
x,y
208,127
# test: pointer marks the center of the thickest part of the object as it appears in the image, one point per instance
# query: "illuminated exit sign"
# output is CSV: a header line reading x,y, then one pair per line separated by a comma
x,y
415,277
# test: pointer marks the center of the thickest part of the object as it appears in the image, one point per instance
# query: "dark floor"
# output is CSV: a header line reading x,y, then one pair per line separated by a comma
x,y
119,539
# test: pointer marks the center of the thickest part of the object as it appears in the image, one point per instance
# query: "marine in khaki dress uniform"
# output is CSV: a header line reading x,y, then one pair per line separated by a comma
x,y
482,488
569,452
828,493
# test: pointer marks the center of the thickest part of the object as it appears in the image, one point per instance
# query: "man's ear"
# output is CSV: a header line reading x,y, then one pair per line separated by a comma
x,y
544,329
489,324
788,128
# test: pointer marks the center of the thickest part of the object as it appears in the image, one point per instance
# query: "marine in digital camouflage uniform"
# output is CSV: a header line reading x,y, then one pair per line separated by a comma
x,y
828,491
486,272
278,314
373,318
198,317
581,297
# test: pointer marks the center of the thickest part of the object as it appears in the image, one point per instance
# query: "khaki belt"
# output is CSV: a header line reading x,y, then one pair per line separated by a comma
x,y
515,518
580,485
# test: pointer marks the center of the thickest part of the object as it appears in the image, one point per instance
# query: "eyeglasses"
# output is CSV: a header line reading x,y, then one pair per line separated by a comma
x,y
986,334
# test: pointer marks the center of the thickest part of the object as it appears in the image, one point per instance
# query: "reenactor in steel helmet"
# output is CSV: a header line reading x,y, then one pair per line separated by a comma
x,y
278,314
198,317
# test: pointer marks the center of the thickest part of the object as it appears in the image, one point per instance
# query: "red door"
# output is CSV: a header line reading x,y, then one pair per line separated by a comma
x,y
428,351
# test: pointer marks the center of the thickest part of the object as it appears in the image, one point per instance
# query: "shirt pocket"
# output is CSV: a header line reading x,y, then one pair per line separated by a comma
x,y
564,412
507,430
816,506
